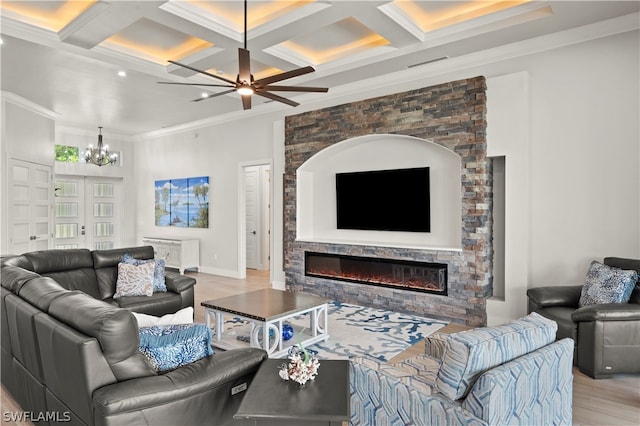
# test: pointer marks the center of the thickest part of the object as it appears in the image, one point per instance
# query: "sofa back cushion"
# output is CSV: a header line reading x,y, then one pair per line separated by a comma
x,y
106,262
71,268
14,277
115,329
41,291
469,354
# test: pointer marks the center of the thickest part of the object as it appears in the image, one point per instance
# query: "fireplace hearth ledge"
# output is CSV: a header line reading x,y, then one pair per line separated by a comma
x,y
378,244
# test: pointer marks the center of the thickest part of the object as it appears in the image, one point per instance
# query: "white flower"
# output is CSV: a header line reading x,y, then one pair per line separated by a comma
x,y
301,367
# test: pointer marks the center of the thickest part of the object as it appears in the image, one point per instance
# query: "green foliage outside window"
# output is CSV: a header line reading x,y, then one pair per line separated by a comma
x,y
67,154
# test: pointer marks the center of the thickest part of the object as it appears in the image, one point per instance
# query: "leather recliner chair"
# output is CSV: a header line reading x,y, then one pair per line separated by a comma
x,y
607,336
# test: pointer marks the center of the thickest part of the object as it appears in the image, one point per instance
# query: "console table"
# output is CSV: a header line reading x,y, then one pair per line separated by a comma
x,y
180,253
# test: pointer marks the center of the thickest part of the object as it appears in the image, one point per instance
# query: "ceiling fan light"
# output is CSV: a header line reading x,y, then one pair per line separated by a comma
x,y
245,90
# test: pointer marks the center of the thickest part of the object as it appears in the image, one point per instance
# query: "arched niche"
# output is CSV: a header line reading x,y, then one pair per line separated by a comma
x,y
316,197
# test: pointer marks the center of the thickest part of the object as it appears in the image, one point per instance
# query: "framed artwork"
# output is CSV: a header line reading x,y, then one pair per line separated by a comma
x,y
183,203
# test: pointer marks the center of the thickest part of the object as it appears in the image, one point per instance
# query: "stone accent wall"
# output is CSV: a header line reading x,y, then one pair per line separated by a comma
x,y
452,115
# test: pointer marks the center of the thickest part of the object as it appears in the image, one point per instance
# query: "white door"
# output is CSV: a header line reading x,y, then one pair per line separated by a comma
x,y
251,211
256,187
88,212
30,195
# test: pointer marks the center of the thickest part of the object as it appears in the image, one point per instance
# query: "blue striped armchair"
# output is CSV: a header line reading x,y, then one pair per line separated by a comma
x,y
514,373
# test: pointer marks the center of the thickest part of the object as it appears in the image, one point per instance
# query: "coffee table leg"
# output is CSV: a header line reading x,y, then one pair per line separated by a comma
x,y
219,325
265,327
320,322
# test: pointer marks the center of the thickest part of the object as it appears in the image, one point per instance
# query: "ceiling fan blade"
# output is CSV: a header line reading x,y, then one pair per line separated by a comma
x,y
202,72
246,101
213,95
244,65
277,98
195,84
283,76
294,89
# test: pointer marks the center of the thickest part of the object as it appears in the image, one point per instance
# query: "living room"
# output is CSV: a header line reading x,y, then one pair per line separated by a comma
x,y
561,113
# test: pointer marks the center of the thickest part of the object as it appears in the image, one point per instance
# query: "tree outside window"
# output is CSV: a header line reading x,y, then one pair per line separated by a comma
x,y
67,154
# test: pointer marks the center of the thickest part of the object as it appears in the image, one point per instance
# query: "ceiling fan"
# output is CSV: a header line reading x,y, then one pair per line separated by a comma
x,y
245,85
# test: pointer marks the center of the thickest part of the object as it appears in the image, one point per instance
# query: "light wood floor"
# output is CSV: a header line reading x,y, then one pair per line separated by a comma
x,y
613,401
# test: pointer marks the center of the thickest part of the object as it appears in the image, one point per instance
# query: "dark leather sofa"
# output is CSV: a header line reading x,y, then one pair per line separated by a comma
x,y
607,336
70,353
95,273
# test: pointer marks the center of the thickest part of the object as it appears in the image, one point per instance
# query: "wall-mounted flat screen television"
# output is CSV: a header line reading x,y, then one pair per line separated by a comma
x,y
384,200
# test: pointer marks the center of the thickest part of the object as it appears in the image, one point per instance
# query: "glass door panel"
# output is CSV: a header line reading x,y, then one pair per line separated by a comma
x,y
69,210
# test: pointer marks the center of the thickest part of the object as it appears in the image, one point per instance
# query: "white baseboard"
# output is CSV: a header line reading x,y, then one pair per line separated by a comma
x,y
219,271
278,285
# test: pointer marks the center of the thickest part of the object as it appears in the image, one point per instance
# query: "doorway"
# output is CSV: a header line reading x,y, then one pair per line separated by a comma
x,y
257,218
87,212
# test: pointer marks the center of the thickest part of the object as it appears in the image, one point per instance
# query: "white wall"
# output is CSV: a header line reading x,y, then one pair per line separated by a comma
x,y
585,151
218,152
572,179
508,135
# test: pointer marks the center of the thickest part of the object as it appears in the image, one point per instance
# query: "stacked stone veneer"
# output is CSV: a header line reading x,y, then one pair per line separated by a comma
x,y
452,115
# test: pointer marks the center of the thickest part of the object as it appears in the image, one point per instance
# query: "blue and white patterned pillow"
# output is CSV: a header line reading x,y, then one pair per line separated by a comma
x,y
169,346
159,285
606,284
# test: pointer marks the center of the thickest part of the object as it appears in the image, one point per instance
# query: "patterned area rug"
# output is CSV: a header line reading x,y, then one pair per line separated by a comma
x,y
360,331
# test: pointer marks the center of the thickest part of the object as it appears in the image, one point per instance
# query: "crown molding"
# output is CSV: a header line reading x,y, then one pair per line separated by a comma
x,y
29,105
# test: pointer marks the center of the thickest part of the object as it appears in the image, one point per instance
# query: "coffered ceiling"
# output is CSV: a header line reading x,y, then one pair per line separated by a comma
x,y
65,55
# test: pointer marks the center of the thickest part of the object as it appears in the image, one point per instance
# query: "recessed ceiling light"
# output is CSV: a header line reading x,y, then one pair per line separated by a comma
x,y
122,73
204,95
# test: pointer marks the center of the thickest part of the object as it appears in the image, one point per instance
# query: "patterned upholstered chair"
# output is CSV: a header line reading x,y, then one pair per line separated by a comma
x,y
509,374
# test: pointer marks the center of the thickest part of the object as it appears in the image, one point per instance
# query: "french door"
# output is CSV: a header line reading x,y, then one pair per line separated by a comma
x,y
87,212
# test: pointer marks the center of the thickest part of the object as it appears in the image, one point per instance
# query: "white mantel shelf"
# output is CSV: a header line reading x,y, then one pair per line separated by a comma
x,y
379,244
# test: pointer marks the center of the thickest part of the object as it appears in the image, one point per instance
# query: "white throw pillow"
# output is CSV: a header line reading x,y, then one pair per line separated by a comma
x,y
183,316
134,280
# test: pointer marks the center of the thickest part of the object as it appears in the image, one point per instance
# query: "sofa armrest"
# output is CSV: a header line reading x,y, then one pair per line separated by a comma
x,y
536,388
434,344
607,312
178,283
399,397
544,297
189,381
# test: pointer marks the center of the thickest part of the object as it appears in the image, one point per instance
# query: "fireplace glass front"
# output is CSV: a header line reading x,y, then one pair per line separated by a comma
x,y
401,274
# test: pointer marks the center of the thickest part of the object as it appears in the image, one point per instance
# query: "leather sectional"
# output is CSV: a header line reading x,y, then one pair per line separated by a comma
x,y
70,351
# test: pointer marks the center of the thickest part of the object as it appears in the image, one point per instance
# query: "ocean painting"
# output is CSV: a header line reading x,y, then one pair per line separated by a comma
x,y
182,203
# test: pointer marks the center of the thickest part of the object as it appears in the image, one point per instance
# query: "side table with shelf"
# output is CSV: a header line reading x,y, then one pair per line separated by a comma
x,y
178,252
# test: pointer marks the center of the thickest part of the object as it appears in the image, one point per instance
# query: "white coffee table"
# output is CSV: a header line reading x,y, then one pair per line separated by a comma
x,y
266,311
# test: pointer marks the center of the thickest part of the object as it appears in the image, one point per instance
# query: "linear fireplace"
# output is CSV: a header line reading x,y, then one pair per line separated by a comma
x,y
400,274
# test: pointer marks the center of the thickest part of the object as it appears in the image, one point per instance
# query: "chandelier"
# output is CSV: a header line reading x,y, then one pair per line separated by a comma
x,y
100,155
